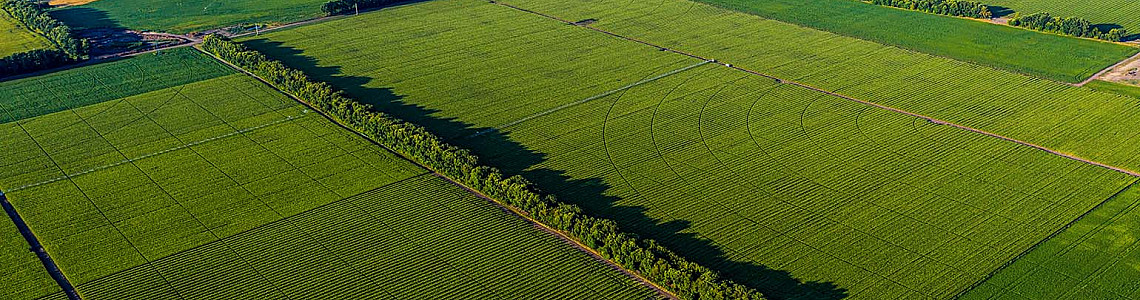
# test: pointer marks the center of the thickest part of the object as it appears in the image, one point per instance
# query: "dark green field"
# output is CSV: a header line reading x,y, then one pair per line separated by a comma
x,y
183,16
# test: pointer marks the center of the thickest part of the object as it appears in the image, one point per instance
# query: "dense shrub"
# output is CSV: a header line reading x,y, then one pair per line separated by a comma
x,y
67,49
1072,26
337,7
942,7
686,279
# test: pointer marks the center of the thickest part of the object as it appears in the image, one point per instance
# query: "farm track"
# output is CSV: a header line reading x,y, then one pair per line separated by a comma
x,y
35,246
660,290
1106,70
806,86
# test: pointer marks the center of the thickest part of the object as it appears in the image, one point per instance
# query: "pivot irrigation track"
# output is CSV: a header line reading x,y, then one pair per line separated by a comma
x,y
845,97
35,246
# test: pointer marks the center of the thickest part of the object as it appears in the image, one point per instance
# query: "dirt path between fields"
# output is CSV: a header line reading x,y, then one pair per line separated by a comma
x,y
561,235
1133,61
806,86
35,246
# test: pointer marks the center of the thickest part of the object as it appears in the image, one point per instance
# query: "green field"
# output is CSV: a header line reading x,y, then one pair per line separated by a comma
x,y
1039,54
791,191
184,16
1097,258
15,38
227,179
21,275
1118,12
1113,87
1081,121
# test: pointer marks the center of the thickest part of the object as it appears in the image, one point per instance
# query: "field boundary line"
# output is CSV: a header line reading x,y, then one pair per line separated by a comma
x,y
37,248
1110,68
570,240
845,97
591,98
130,160
1042,241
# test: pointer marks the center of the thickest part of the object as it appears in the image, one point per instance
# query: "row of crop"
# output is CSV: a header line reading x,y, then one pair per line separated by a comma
x,y
32,15
1072,26
662,266
970,9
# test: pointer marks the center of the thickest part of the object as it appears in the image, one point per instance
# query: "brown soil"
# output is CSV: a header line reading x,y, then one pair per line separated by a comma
x,y
69,2
1129,71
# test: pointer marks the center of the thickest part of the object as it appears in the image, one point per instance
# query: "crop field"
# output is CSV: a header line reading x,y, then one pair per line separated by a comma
x,y
1081,121
994,45
1096,258
224,182
786,189
1114,87
73,88
15,38
1118,12
21,276
418,238
184,16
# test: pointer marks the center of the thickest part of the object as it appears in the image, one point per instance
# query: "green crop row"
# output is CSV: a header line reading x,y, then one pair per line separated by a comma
x,y
787,190
417,238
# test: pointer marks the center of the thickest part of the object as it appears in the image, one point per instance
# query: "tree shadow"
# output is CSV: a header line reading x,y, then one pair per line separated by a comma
x,y
497,149
1000,11
1106,27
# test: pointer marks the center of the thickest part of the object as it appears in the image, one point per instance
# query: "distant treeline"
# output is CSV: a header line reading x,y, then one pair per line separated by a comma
x,y
969,9
67,49
665,268
1072,26
340,7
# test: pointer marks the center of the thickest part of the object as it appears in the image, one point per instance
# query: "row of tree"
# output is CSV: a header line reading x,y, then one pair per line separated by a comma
x,y
686,279
1072,26
67,49
969,9
340,7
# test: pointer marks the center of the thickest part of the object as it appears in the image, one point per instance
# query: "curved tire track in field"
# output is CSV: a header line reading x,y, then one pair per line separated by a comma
x,y
845,97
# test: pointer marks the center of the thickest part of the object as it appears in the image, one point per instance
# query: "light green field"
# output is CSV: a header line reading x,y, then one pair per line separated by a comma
x,y
224,185
785,189
14,38
1046,55
1097,258
1115,87
21,275
1119,12
184,16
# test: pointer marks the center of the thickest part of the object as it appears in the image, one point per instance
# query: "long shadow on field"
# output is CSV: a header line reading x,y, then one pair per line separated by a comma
x,y
1000,11
498,150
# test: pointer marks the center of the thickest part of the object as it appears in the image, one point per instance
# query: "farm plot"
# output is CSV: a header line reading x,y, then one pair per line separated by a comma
x,y
1108,12
73,88
1094,125
185,16
121,183
21,275
1040,54
770,183
15,38
1097,258
417,238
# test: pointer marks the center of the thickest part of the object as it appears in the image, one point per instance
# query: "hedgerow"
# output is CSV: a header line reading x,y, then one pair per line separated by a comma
x,y
68,49
1071,26
970,9
336,7
684,278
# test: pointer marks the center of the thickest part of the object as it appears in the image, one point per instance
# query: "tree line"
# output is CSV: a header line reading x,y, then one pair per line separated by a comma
x,y
969,9
340,7
686,279
1072,26
66,48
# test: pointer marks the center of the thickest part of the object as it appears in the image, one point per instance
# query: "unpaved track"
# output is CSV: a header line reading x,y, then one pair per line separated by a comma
x,y
806,86
1106,70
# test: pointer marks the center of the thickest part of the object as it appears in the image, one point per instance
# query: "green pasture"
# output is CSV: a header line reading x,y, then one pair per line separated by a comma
x,y
1040,54
791,191
184,16
1107,12
15,38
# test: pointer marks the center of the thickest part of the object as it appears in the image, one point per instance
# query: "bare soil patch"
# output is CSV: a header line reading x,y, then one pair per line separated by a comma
x,y
69,2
